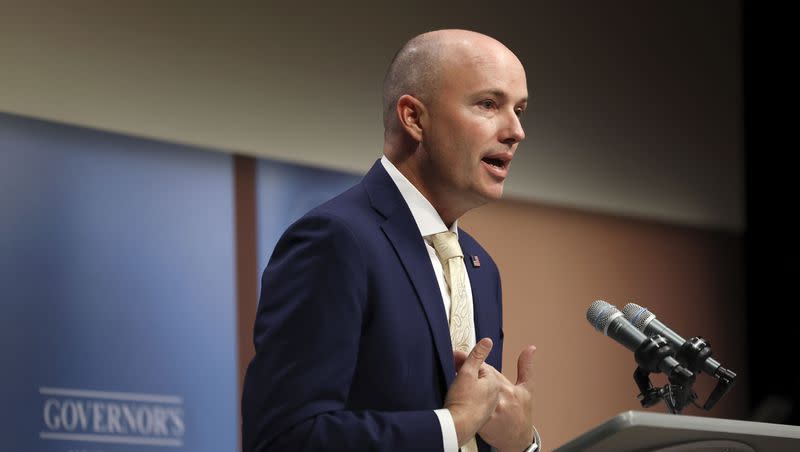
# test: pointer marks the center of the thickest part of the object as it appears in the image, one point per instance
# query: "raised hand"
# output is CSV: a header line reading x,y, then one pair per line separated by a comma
x,y
510,427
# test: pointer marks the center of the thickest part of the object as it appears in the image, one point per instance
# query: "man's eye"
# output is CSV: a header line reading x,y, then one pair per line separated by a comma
x,y
519,112
488,104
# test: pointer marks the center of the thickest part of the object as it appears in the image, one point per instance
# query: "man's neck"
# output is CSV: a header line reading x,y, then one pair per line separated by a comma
x,y
408,168
426,216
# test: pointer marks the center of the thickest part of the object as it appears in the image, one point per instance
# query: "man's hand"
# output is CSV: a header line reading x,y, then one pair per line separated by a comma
x,y
510,427
474,394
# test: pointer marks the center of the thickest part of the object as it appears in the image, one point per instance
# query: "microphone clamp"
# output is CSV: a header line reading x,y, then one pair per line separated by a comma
x,y
678,393
695,352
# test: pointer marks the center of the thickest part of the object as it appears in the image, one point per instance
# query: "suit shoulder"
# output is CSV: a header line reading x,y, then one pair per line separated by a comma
x,y
345,212
353,201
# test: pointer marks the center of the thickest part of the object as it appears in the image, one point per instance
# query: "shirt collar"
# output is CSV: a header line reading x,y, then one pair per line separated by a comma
x,y
427,219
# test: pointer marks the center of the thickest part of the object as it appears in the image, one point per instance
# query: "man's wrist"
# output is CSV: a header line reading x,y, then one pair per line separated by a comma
x,y
536,445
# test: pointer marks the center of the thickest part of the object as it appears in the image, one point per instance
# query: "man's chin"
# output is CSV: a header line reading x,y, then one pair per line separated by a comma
x,y
493,192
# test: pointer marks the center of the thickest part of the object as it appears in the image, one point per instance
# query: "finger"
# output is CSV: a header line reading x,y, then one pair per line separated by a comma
x,y
488,370
477,356
459,357
525,366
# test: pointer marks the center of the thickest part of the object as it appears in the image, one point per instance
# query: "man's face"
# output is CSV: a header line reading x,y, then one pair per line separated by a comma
x,y
473,127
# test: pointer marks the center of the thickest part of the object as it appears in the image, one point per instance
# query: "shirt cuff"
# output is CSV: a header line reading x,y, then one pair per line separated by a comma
x,y
449,436
533,447
537,441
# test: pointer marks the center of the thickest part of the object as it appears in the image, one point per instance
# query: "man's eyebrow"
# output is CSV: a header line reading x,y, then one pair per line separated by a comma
x,y
500,94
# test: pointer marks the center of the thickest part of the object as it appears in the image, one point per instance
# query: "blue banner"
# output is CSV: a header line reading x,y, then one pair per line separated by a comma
x,y
117,329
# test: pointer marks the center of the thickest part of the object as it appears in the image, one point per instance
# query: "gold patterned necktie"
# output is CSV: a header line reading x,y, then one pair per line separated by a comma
x,y
455,274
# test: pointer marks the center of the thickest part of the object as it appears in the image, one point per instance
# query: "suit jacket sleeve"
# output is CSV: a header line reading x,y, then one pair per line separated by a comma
x,y
307,337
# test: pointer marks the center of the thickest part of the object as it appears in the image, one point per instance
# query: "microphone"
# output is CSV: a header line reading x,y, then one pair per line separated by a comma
x,y
653,354
695,354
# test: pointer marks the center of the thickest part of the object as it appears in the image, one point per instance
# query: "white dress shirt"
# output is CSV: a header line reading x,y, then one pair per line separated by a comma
x,y
429,222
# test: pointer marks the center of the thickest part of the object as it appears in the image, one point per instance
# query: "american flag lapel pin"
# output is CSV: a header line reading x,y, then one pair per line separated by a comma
x,y
476,262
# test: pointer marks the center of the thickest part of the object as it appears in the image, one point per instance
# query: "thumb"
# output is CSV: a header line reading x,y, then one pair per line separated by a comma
x,y
525,366
477,356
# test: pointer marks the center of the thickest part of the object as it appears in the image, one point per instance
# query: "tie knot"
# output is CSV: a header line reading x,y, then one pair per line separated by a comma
x,y
446,245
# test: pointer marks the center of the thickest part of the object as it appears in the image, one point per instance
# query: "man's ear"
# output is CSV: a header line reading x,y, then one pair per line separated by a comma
x,y
411,114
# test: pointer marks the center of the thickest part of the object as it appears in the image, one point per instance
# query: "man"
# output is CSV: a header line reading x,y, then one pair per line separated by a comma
x,y
360,343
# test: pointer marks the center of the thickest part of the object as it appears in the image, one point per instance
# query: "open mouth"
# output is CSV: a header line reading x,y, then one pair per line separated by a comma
x,y
497,163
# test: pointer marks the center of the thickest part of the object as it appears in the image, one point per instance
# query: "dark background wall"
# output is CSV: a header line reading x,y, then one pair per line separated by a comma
x,y
770,95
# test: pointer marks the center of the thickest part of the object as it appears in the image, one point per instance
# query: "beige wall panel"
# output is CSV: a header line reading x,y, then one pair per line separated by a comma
x,y
636,107
554,262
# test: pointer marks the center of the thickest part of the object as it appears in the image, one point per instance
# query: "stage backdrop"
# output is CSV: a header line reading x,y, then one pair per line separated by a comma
x,y
286,192
117,293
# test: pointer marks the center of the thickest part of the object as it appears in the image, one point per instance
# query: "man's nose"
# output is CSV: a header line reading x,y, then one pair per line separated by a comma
x,y
512,131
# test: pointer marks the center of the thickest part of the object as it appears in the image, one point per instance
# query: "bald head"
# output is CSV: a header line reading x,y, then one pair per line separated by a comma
x,y
418,67
453,101
413,71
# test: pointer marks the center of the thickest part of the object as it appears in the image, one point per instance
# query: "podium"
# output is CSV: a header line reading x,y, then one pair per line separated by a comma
x,y
639,431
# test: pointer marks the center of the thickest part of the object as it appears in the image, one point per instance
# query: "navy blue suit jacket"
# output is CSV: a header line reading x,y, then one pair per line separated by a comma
x,y
352,344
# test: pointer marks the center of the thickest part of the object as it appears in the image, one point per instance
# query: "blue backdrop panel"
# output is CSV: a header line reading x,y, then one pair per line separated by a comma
x,y
117,329
286,192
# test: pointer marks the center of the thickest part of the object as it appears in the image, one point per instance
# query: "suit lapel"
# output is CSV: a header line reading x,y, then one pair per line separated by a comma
x,y
402,232
418,266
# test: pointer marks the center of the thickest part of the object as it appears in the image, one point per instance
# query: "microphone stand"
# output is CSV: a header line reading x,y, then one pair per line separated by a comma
x,y
678,392
675,395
